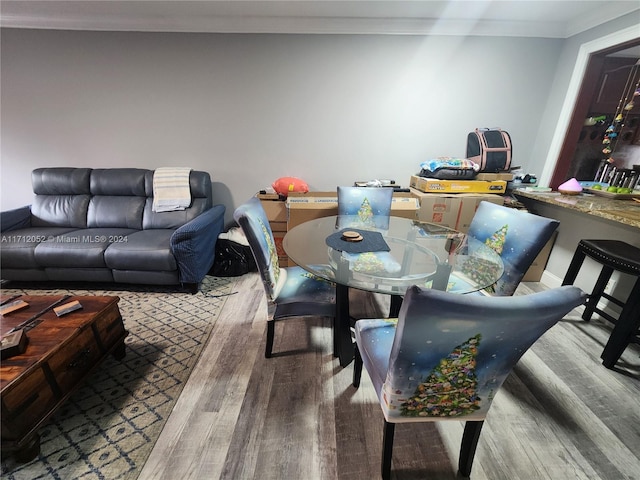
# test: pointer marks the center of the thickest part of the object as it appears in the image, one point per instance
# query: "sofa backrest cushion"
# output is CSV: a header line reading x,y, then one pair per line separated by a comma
x,y
201,200
118,182
118,212
118,198
62,197
109,197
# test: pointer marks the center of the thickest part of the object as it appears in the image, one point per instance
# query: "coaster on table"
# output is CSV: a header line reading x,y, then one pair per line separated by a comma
x,y
351,236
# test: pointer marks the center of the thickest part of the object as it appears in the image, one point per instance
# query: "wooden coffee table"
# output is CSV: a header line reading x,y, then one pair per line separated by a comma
x,y
61,352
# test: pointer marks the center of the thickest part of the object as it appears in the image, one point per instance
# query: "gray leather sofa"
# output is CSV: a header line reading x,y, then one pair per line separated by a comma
x,y
97,225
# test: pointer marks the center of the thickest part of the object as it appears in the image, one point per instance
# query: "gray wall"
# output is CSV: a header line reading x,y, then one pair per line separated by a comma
x,y
330,109
551,125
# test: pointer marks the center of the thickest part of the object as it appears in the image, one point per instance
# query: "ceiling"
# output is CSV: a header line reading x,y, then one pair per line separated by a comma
x,y
539,18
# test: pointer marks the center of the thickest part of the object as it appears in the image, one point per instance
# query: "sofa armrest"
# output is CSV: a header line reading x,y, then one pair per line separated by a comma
x,y
15,219
193,244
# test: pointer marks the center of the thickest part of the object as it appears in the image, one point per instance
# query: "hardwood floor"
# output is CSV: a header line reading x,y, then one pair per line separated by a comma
x,y
560,415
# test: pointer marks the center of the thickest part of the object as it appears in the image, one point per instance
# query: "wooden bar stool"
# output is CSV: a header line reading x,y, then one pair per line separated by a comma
x,y
622,257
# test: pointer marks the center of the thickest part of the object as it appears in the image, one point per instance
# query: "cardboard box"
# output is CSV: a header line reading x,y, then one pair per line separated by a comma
x,y
274,206
405,205
453,210
278,226
535,271
276,209
433,185
283,260
302,207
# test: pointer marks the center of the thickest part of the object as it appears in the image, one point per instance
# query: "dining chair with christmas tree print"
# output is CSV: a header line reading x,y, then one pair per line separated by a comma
x,y
367,208
447,355
517,236
292,290
364,207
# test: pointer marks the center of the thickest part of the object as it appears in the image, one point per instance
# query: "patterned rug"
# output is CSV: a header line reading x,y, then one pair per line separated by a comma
x,y
107,429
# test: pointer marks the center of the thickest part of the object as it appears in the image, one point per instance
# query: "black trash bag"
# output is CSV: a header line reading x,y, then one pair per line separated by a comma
x,y
232,259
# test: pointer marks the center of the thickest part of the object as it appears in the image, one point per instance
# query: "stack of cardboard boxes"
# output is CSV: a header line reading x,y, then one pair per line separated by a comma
x,y
275,208
286,213
453,203
449,203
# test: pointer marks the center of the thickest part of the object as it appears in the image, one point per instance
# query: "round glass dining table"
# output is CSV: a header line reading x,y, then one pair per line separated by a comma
x,y
389,255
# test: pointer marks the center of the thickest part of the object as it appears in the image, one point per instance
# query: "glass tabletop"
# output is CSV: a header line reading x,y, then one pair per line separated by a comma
x,y
406,252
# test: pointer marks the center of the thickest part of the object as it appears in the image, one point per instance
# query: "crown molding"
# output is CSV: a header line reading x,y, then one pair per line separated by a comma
x,y
318,24
293,25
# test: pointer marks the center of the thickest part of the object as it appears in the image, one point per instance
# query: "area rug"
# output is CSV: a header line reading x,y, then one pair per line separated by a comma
x,y
107,429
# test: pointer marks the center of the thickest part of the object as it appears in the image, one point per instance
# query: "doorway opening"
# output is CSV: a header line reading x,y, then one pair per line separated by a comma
x,y
604,80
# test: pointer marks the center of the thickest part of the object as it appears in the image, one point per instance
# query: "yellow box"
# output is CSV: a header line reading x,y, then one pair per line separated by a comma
x,y
434,185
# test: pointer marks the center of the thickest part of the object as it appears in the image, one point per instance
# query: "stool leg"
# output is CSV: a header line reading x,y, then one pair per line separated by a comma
x,y
599,287
574,267
624,330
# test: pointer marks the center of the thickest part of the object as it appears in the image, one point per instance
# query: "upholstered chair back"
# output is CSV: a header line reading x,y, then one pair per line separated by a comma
x,y
448,354
516,235
366,206
292,290
254,223
451,353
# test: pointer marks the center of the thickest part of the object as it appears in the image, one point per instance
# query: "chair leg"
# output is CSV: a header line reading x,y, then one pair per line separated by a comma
x,y
271,328
342,330
625,329
470,439
394,308
594,298
335,336
357,368
387,449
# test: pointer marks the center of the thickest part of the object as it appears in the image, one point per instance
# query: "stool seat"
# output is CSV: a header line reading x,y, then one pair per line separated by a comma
x,y
613,255
617,254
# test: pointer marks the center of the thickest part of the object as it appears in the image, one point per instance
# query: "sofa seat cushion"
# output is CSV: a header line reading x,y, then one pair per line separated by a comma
x,y
82,248
67,274
18,246
144,250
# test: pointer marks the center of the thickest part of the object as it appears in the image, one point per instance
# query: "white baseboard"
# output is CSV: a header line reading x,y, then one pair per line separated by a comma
x,y
552,281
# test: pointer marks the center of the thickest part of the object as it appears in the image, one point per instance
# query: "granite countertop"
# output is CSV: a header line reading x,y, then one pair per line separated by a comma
x,y
625,211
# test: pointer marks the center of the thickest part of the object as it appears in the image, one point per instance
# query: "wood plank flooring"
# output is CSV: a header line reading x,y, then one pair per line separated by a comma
x,y
560,415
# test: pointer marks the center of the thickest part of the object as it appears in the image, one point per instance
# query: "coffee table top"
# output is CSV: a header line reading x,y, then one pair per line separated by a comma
x,y
50,331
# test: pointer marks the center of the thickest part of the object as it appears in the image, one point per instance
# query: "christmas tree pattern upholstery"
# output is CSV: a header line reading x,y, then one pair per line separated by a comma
x,y
446,355
293,291
365,207
517,236
368,208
